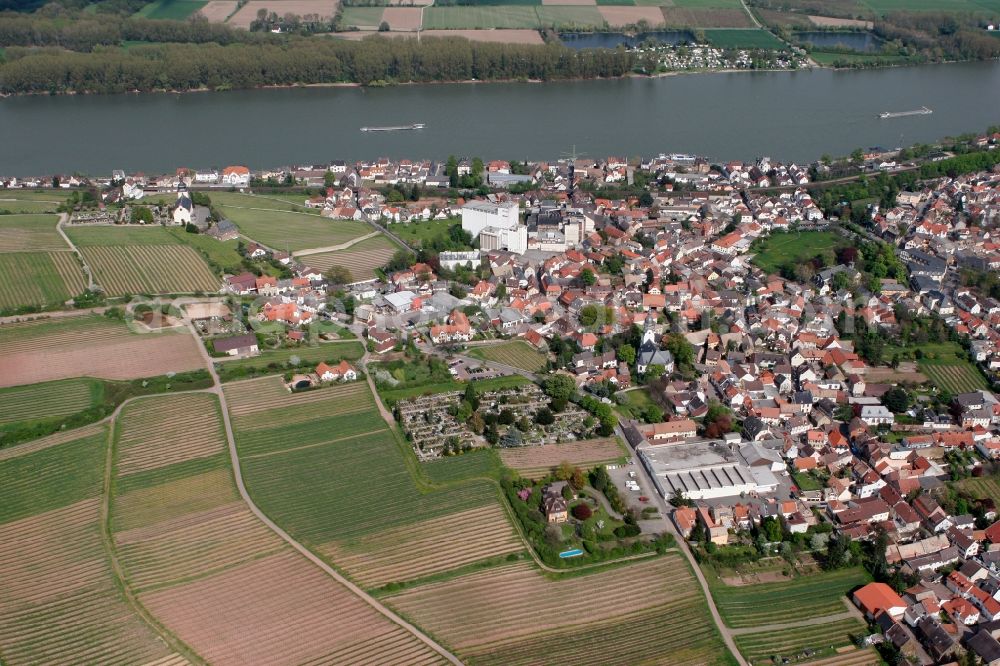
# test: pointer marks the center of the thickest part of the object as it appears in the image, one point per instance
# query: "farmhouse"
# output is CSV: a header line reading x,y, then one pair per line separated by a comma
x,y
236,176
874,598
237,345
556,508
456,330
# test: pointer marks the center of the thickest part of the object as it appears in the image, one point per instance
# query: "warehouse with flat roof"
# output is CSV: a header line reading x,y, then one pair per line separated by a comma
x,y
704,469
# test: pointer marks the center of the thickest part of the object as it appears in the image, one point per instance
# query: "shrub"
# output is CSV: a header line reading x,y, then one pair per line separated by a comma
x,y
582,512
626,531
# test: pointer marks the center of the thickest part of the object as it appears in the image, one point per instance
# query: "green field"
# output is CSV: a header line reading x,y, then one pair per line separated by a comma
x,y
30,233
517,16
810,596
981,488
744,39
964,6
392,396
173,10
361,17
39,279
828,58
279,360
24,404
822,640
290,202
293,231
793,248
636,402
516,353
563,16
31,201
475,464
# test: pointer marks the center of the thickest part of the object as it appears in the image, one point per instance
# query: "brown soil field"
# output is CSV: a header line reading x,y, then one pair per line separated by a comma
x,y
829,22
90,346
537,461
161,431
707,18
888,375
59,603
248,13
147,506
517,600
402,19
569,2
427,547
217,11
193,545
621,16
281,610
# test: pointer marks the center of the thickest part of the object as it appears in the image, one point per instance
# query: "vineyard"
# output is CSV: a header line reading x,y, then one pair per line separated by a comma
x,y
44,350
325,466
820,639
798,599
59,601
208,570
360,259
536,461
955,377
513,613
517,354
31,201
39,278
48,400
144,269
30,233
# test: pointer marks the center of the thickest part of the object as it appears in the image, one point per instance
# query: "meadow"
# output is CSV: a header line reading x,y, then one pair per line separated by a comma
x,y
220,255
517,354
811,596
782,249
415,234
277,361
61,603
30,233
513,613
31,201
287,231
327,468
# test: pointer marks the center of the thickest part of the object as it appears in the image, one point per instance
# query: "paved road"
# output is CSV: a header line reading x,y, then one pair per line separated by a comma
x,y
237,471
682,544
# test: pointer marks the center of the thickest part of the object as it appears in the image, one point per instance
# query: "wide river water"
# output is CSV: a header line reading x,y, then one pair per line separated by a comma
x,y
794,116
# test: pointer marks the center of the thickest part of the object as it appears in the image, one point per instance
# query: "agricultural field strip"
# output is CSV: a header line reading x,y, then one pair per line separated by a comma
x,y
771,603
639,637
310,446
39,401
146,506
132,269
39,278
274,594
182,427
547,456
293,231
784,642
295,414
427,547
30,233
53,566
50,441
464,610
269,393
955,377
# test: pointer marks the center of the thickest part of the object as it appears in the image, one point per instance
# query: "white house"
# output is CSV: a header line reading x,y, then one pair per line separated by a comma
x,y
875,415
236,176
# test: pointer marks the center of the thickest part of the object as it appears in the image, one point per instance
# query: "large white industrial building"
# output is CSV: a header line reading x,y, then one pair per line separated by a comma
x,y
496,225
704,469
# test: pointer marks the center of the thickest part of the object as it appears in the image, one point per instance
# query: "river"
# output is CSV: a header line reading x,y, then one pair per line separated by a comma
x,y
794,116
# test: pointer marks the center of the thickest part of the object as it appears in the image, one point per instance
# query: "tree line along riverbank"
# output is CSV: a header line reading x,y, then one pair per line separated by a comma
x,y
181,67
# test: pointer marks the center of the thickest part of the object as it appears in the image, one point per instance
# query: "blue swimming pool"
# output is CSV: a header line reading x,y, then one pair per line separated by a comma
x,y
576,552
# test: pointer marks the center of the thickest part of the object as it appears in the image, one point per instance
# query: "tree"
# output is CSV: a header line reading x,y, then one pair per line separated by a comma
x,y
896,400
587,277
559,387
141,215
838,553
652,414
476,423
655,371
339,275
506,417
579,478
678,499
564,471
626,354
567,492
680,349
582,512
544,417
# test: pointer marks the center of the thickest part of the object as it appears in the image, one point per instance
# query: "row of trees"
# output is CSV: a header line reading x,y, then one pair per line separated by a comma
x,y
298,61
